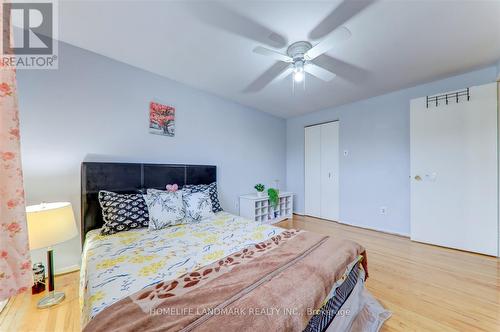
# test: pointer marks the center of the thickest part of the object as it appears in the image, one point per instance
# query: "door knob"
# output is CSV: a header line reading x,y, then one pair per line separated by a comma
x,y
418,178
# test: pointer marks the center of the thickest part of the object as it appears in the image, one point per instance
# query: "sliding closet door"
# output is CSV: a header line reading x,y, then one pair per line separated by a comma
x,y
454,196
313,171
330,171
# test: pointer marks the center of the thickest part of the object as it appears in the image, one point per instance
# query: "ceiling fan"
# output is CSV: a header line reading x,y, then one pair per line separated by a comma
x,y
300,55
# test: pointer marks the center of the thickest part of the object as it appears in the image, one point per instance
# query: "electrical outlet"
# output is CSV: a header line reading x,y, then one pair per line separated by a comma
x,y
383,210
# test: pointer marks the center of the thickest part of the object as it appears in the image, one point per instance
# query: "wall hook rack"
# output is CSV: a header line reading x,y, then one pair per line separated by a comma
x,y
448,97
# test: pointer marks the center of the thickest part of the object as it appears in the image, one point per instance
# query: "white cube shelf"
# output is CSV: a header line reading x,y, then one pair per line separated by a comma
x,y
259,209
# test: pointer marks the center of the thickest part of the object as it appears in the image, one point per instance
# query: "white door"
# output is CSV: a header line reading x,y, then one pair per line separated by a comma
x,y
322,171
313,171
454,172
330,171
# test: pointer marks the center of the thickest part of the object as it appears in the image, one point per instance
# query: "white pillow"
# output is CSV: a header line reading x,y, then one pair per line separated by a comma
x,y
164,208
198,206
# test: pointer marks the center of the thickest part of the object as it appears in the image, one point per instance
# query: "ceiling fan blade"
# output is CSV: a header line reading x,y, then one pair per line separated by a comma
x,y
272,53
341,14
276,72
222,17
284,74
319,72
347,71
337,36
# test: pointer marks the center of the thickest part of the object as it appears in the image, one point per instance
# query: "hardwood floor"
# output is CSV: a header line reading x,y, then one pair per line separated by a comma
x,y
21,313
427,288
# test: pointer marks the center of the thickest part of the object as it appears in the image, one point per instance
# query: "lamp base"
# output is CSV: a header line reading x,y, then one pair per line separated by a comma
x,y
50,300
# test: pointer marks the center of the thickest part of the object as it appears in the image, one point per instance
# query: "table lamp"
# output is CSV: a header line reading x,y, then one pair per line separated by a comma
x,y
50,224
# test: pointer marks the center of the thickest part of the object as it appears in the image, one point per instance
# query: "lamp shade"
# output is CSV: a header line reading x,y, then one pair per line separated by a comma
x,y
50,224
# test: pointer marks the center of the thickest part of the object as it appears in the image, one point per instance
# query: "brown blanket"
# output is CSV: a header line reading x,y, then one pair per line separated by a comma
x,y
274,285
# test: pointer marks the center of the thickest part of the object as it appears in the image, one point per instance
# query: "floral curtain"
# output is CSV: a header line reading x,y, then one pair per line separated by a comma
x,y
15,264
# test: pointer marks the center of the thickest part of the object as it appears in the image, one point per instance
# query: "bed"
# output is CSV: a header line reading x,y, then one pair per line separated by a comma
x,y
223,273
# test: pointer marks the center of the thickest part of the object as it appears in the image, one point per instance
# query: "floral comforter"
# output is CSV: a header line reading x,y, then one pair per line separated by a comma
x,y
116,266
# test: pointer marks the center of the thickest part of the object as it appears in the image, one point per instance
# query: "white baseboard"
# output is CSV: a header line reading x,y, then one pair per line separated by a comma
x,y
3,304
67,269
359,226
376,229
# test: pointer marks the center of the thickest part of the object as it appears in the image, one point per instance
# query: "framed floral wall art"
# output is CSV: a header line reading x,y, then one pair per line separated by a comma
x,y
161,119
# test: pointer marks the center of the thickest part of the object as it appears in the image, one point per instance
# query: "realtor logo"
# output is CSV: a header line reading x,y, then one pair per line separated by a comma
x,y
28,35
36,20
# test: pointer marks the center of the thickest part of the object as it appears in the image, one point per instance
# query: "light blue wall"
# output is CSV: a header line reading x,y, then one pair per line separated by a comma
x,y
376,132
96,108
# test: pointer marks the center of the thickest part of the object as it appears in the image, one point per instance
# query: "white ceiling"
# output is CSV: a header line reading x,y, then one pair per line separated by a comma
x,y
209,45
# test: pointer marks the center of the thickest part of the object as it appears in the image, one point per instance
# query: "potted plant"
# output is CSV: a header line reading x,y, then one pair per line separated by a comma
x,y
260,189
274,199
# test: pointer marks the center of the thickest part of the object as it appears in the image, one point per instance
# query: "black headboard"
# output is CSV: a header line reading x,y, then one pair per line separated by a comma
x,y
130,178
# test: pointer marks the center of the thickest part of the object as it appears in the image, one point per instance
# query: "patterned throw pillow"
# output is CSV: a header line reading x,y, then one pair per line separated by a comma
x,y
212,188
165,208
198,205
122,212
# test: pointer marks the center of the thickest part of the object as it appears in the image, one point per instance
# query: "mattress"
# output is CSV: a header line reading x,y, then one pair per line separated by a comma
x,y
116,266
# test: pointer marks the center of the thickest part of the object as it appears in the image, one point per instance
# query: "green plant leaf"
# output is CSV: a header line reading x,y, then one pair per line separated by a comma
x,y
273,197
259,187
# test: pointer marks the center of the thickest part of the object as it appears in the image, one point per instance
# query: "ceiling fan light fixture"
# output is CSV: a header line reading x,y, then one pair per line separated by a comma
x,y
298,71
298,76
